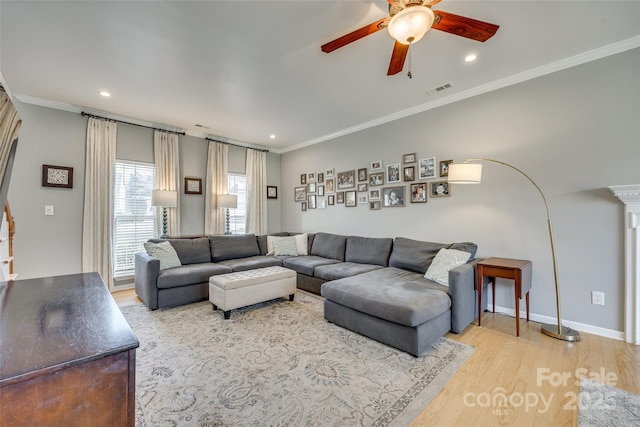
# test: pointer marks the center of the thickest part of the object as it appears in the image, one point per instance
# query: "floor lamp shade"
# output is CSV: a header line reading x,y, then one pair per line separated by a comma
x,y
164,199
227,201
471,173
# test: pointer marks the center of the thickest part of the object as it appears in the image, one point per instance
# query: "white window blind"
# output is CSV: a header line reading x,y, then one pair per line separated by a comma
x,y
134,216
238,186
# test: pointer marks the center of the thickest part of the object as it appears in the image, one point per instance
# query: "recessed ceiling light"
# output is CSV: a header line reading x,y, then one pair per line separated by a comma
x,y
272,136
104,93
470,58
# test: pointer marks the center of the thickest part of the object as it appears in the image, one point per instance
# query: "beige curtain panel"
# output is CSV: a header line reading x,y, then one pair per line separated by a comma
x,y
166,153
217,183
97,223
256,167
10,124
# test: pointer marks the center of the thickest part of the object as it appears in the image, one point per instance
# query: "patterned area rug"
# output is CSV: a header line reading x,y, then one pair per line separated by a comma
x,y
603,405
277,363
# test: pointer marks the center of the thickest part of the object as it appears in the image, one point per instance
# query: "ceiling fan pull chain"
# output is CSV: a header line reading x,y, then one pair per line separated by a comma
x,y
409,73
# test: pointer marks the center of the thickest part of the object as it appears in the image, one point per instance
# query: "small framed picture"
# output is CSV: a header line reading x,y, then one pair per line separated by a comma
x,y
329,173
362,187
57,176
272,192
311,188
362,175
444,167
419,192
409,158
320,176
311,201
393,173
320,190
374,194
393,196
350,198
362,199
440,189
193,186
427,168
376,166
322,204
375,205
303,206
329,186
340,197
409,173
300,194
311,177
331,199
376,179
303,179
346,179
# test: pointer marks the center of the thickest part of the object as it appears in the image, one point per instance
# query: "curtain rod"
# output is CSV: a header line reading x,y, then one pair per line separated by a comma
x,y
129,123
235,145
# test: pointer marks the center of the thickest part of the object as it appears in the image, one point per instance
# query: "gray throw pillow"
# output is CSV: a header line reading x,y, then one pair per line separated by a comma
x,y
164,252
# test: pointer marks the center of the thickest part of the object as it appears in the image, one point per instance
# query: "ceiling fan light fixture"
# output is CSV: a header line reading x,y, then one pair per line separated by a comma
x,y
411,24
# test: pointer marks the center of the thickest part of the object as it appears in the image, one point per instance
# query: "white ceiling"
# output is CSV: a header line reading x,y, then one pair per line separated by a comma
x,y
248,69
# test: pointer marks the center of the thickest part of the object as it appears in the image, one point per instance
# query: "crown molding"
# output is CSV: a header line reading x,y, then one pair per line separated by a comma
x,y
553,67
626,193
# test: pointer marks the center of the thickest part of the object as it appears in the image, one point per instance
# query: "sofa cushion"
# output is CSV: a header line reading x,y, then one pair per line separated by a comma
x,y
306,264
233,246
190,250
413,255
367,250
329,246
407,303
445,260
249,263
342,269
165,252
190,274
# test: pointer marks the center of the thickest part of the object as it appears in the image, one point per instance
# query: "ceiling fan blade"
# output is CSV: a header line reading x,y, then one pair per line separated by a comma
x,y
397,58
353,36
464,27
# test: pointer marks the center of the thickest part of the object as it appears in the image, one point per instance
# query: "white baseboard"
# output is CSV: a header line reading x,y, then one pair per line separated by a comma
x,y
583,327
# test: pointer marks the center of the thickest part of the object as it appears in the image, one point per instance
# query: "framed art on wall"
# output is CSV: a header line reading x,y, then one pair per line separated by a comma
x,y
331,199
374,206
393,173
320,190
272,192
311,201
346,179
376,179
409,173
440,189
409,158
193,185
350,198
376,166
340,197
303,179
57,176
393,196
300,194
444,167
329,188
427,168
374,194
419,192
362,175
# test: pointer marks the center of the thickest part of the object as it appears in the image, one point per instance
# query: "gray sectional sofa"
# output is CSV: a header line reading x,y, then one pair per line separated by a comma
x,y
374,286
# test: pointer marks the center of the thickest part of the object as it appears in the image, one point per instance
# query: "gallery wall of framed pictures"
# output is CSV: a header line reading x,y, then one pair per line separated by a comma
x,y
409,179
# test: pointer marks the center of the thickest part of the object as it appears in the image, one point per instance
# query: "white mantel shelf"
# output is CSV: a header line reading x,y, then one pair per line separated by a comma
x,y
630,196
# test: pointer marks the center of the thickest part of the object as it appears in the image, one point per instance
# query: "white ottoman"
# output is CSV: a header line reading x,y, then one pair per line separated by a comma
x,y
243,288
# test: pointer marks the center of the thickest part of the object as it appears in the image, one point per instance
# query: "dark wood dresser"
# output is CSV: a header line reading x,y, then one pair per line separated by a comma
x,y
67,354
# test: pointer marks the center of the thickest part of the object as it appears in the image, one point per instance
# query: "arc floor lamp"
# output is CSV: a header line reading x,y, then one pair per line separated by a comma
x,y
471,173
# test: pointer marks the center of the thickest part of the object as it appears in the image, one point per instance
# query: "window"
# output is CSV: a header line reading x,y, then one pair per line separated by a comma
x,y
134,217
238,186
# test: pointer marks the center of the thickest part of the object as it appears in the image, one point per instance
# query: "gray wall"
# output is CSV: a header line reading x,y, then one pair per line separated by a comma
x,y
575,132
52,245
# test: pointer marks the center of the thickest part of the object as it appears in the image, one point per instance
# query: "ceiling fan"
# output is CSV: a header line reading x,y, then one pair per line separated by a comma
x,y
408,21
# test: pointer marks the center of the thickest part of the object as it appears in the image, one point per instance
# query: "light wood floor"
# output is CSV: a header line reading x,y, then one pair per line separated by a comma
x,y
525,369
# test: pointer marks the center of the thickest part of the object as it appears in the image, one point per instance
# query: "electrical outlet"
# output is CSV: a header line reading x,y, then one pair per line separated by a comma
x,y
597,298
48,210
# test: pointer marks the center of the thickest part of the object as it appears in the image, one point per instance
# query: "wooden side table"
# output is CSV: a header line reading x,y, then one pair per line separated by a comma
x,y
505,268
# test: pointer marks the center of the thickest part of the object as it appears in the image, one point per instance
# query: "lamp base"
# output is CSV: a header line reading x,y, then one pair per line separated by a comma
x,y
566,334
